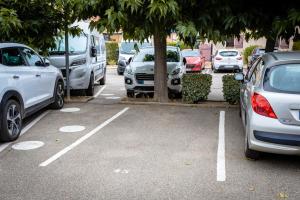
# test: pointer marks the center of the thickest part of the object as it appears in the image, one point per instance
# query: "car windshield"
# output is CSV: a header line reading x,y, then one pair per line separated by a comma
x,y
128,47
228,53
148,56
283,79
194,53
77,44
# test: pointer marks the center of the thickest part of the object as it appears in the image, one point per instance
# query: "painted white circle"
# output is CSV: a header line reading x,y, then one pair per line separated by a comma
x,y
112,97
72,129
107,94
69,110
28,145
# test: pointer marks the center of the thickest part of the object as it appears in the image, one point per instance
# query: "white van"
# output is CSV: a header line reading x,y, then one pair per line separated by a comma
x,y
87,58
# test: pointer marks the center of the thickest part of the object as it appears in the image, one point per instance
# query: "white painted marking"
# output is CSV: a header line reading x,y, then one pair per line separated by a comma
x,y
82,139
107,94
25,129
72,129
113,98
69,110
99,92
122,171
28,145
221,170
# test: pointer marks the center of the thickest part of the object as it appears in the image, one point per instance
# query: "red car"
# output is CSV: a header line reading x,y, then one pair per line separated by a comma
x,y
194,61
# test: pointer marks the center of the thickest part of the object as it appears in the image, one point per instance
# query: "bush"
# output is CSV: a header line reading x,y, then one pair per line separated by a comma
x,y
231,89
247,52
112,52
196,87
296,46
180,44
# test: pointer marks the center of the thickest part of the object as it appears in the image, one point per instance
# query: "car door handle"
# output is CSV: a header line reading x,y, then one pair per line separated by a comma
x,y
16,77
38,75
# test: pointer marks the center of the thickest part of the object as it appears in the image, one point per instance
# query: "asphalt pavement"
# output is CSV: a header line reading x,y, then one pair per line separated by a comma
x,y
116,151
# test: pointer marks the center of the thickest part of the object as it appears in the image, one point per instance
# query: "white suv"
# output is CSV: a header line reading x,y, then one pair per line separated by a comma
x,y
27,84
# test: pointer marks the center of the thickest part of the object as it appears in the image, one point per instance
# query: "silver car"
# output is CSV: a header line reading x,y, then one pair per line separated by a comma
x,y
139,74
270,105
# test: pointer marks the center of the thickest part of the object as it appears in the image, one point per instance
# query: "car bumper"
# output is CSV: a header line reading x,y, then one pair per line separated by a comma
x,y
228,66
174,84
271,136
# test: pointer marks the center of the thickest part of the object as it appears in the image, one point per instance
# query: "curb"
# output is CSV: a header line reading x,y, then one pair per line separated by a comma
x,y
202,105
79,100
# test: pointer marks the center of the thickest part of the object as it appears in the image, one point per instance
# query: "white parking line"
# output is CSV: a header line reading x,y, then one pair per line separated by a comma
x,y
82,139
221,170
99,92
25,129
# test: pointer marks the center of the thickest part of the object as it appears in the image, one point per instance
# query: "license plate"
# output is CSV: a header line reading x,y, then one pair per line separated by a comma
x,y
228,66
148,82
188,69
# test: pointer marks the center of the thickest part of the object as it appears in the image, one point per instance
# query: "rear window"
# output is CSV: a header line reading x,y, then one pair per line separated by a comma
x,y
283,79
229,53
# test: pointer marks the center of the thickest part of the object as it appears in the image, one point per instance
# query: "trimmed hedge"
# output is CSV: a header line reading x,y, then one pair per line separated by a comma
x,y
196,87
180,44
296,46
231,89
112,53
247,52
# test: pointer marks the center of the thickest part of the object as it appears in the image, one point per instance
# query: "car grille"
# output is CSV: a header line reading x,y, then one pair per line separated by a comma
x,y
64,72
147,77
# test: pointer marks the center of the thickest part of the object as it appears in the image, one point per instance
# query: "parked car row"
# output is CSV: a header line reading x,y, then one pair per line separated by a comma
x,y
270,104
29,82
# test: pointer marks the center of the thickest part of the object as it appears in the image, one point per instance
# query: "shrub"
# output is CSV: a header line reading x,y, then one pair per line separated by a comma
x,y
231,89
247,52
180,44
196,87
112,52
296,46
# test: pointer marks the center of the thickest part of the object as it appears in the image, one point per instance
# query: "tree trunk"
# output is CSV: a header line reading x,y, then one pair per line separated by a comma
x,y
270,45
160,69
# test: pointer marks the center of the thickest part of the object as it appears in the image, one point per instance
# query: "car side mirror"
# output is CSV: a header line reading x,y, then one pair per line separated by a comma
x,y
184,61
93,52
46,62
129,61
239,77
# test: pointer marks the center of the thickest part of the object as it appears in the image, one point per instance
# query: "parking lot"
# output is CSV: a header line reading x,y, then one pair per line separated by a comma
x,y
117,151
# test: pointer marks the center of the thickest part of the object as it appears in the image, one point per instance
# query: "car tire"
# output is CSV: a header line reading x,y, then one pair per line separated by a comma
x,y
11,122
91,89
130,94
59,96
120,73
103,80
249,153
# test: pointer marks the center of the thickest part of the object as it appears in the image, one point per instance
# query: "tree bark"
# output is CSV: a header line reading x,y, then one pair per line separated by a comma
x,y
270,45
160,69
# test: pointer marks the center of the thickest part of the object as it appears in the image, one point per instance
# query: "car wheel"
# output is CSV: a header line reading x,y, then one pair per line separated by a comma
x,y
130,94
91,88
249,153
59,96
11,122
103,80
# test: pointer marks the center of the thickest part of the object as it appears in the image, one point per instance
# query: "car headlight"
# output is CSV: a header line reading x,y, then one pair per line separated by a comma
x,y
128,70
78,62
176,71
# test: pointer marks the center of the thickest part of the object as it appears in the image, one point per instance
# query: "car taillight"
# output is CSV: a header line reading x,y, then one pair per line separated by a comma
x,y
261,106
218,58
239,58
